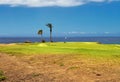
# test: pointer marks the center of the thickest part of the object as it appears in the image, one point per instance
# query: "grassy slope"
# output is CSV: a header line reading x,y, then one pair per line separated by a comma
x,y
79,61
87,48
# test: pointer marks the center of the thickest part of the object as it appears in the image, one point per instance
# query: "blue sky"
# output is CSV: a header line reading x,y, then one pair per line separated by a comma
x,y
69,17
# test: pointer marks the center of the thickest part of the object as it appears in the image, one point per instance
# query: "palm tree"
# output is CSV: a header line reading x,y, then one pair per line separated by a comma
x,y
50,26
40,32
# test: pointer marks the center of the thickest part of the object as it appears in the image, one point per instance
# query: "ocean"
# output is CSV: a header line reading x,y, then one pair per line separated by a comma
x,y
104,40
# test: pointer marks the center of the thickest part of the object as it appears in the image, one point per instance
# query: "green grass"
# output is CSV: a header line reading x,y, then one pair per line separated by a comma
x,y
2,77
91,49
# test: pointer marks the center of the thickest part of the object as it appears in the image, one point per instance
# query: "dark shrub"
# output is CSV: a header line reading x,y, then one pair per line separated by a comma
x,y
99,43
43,41
27,42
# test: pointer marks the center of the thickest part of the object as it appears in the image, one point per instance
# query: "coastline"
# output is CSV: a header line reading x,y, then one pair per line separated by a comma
x,y
104,40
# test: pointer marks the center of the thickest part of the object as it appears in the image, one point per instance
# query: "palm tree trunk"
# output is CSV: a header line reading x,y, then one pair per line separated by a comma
x,y
41,37
50,36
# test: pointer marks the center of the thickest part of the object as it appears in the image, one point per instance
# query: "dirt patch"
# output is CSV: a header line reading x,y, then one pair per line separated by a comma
x,y
57,68
11,44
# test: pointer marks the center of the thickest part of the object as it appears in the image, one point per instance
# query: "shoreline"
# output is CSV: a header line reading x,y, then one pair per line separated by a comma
x,y
104,40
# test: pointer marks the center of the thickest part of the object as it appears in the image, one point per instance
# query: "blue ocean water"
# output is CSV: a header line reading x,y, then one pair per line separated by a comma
x,y
105,40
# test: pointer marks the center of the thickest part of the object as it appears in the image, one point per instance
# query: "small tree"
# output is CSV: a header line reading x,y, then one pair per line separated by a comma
x,y
50,27
40,32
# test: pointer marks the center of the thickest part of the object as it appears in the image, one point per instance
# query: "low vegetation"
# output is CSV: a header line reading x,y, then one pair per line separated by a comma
x,y
2,77
92,49
59,61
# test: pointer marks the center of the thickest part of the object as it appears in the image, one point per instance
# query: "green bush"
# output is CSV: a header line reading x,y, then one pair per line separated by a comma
x,y
2,77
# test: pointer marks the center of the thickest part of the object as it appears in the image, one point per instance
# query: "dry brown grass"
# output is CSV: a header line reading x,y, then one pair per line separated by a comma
x,y
58,68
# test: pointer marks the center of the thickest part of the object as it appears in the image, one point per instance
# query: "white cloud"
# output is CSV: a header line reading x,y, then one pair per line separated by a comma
x,y
75,32
45,3
84,33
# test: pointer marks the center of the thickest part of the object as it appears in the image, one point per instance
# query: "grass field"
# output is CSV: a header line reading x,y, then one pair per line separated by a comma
x,y
62,62
88,48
